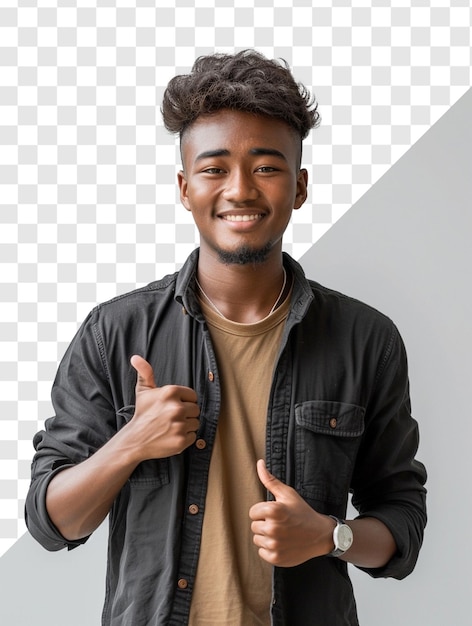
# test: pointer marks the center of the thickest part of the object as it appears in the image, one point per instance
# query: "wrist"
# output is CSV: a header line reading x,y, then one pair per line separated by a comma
x,y
329,541
127,447
322,542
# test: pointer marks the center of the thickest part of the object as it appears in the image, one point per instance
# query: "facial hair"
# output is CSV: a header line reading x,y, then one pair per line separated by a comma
x,y
244,255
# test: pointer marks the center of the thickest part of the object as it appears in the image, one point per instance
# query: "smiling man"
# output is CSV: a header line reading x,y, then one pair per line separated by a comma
x,y
222,415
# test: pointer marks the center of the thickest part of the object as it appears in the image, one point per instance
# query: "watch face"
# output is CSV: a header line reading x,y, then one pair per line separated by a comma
x,y
344,537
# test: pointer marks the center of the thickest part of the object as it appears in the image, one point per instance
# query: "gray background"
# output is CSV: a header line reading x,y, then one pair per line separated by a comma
x,y
403,247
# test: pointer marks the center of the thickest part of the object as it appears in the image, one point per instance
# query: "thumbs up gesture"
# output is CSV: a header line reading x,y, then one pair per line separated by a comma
x,y
165,419
287,530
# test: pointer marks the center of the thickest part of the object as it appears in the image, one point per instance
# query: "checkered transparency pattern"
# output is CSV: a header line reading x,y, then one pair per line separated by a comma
x,y
88,202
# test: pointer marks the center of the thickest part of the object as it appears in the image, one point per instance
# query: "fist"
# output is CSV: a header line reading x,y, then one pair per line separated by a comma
x,y
165,421
287,531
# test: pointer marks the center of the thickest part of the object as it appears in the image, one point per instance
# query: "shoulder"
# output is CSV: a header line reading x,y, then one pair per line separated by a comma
x,y
138,300
337,318
343,320
348,307
316,300
153,298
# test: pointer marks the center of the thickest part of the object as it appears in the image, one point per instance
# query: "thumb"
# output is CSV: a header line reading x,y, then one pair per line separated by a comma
x,y
145,378
270,482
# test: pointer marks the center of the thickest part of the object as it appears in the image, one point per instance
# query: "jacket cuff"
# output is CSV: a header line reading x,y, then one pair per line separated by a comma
x,y
407,531
37,518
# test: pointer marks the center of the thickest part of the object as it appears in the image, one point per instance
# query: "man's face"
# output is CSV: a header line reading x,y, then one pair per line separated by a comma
x,y
241,181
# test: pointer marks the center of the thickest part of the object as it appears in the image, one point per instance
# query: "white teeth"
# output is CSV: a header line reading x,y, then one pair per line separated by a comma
x,y
241,218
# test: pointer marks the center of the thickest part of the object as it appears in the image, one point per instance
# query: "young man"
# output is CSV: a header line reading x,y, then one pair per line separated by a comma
x,y
169,398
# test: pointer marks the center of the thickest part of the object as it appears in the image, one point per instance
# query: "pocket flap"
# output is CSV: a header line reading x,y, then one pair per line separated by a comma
x,y
325,417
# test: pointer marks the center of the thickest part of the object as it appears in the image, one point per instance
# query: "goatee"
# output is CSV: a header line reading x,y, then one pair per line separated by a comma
x,y
244,255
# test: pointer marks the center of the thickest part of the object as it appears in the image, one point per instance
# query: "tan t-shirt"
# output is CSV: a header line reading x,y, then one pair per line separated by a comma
x,y
233,584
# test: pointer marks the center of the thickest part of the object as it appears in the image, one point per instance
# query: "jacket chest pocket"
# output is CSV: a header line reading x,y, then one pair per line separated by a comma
x,y
328,435
152,473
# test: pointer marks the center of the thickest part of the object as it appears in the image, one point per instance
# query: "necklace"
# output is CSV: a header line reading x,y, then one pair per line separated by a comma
x,y
215,308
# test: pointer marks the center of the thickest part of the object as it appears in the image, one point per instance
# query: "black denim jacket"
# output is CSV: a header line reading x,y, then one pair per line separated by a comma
x,y
338,421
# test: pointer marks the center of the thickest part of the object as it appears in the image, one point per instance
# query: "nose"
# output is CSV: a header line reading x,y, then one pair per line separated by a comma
x,y
240,187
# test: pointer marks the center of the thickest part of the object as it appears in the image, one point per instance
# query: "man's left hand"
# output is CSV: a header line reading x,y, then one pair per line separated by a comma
x,y
287,530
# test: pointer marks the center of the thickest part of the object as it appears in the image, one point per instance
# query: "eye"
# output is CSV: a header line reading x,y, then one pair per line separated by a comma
x,y
212,170
266,169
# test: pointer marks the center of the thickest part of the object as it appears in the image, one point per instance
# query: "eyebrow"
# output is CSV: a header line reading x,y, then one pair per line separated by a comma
x,y
268,152
208,154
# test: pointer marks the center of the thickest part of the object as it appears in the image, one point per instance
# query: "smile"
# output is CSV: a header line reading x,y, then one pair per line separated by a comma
x,y
243,218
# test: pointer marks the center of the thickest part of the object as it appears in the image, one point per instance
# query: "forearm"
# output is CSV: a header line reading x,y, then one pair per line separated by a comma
x,y
79,497
373,544
164,424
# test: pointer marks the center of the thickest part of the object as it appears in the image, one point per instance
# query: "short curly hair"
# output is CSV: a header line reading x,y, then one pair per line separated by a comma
x,y
245,81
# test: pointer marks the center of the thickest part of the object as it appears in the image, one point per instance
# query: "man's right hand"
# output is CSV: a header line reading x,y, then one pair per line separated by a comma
x,y
165,419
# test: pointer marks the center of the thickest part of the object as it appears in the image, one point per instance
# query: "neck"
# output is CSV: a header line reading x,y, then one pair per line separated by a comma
x,y
243,293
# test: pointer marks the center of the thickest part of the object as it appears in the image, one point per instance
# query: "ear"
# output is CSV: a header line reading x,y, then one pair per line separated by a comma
x,y
302,186
183,187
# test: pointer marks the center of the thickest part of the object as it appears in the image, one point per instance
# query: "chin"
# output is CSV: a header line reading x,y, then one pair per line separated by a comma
x,y
244,255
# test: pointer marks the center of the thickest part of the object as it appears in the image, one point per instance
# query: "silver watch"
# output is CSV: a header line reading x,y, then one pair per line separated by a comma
x,y
342,537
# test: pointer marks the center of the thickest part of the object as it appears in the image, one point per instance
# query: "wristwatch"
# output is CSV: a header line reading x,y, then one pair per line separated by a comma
x,y
342,537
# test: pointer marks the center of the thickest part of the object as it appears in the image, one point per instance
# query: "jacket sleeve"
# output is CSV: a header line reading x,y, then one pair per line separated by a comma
x,y
84,420
388,482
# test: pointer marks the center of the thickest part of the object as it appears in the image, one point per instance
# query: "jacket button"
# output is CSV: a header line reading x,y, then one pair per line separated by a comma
x,y
201,444
182,583
211,376
333,422
193,509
